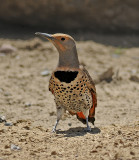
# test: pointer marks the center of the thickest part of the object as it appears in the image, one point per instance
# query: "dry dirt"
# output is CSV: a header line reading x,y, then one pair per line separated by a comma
x,y
27,103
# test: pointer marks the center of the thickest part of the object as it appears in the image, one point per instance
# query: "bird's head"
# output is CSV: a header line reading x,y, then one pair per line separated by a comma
x,y
62,42
66,47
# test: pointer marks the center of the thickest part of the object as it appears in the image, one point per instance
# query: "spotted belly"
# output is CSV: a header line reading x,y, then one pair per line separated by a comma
x,y
74,98
70,90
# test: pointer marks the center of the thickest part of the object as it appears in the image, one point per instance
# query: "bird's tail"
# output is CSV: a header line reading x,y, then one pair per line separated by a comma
x,y
91,118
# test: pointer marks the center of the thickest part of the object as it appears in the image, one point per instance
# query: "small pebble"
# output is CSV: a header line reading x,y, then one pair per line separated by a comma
x,y
119,132
27,104
17,57
52,113
7,94
1,90
132,153
8,124
2,55
14,147
134,78
133,71
53,153
2,119
69,124
45,73
7,48
115,55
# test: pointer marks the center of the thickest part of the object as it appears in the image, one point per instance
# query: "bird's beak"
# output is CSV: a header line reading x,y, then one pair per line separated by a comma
x,y
45,35
52,39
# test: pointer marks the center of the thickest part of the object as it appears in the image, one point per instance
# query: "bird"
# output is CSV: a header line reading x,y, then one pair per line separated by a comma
x,y
70,83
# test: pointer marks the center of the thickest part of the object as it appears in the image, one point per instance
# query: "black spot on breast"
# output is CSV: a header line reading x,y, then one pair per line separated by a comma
x,y
66,76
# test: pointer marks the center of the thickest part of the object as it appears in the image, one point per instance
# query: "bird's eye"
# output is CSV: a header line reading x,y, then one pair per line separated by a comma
x,y
62,39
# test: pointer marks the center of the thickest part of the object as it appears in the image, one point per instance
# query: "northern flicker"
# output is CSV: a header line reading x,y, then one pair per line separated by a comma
x,y
70,83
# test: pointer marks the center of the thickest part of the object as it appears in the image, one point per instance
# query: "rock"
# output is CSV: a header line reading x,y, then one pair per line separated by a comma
x,y
1,90
45,73
7,94
7,48
2,119
132,153
8,124
84,15
133,71
53,153
115,55
134,78
14,147
105,76
69,124
2,55
26,127
27,104
52,113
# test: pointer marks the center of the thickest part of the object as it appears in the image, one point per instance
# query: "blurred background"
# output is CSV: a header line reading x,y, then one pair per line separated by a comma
x,y
107,38
94,20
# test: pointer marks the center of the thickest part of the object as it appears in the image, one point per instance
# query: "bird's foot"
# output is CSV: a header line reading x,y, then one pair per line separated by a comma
x,y
88,129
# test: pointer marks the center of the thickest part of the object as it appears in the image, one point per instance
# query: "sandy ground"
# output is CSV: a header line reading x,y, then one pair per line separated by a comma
x,y
27,103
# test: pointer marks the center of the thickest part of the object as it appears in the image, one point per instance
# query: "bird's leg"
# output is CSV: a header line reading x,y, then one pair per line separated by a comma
x,y
60,112
94,125
86,113
54,128
88,127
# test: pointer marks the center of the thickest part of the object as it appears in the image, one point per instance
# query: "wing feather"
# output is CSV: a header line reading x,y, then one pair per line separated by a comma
x,y
92,88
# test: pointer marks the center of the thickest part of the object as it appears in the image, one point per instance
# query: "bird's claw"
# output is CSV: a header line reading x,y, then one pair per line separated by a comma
x,y
53,130
88,129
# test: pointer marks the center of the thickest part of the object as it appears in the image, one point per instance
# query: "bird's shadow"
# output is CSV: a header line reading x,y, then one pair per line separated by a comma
x,y
78,131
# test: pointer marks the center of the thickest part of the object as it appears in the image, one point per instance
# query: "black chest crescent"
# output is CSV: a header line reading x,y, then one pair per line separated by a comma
x,y
66,76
